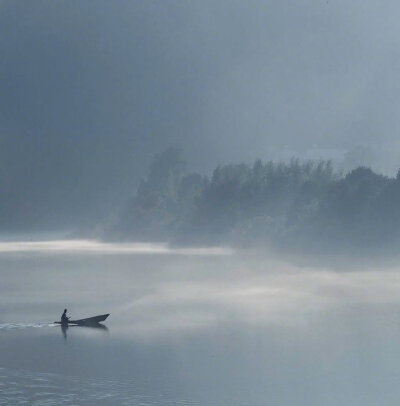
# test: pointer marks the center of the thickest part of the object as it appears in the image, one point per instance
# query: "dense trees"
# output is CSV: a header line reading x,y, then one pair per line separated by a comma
x,y
296,205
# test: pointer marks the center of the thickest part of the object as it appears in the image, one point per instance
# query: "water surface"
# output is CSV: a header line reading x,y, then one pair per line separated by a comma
x,y
198,326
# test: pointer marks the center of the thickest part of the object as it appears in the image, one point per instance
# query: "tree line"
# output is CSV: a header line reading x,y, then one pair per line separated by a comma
x,y
295,205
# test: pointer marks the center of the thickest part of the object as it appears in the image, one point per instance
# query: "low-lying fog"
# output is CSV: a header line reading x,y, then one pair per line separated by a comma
x,y
156,287
212,326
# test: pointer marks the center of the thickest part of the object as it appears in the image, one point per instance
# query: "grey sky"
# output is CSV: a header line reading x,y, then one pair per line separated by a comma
x,y
90,90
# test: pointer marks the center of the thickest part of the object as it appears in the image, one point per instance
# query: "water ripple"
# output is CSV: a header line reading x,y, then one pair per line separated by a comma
x,y
43,389
18,326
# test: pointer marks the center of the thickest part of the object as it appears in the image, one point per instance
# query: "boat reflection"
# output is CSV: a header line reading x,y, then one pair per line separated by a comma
x,y
97,326
64,328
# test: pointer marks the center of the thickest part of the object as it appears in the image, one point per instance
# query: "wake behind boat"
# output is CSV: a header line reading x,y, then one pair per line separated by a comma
x,y
85,322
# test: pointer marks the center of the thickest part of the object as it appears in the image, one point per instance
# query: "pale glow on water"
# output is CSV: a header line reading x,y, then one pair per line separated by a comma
x,y
285,299
94,246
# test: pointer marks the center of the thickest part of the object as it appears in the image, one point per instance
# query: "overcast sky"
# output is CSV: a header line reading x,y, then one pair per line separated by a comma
x,y
90,90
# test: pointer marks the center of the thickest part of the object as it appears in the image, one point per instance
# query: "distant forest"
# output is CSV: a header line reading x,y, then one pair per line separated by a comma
x,y
297,206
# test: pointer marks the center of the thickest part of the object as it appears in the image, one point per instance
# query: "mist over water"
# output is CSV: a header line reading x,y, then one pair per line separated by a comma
x,y
222,177
218,328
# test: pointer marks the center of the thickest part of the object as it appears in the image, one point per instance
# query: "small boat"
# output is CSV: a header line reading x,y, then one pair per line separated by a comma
x,y
86,322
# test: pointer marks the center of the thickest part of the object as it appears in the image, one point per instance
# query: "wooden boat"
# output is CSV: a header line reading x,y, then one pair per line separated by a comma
x,y
86,322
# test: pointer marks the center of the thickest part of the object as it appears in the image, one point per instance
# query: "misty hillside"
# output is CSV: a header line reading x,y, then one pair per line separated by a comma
x,y
296,205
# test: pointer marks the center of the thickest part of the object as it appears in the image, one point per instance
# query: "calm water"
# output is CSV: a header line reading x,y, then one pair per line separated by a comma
x,y
193,327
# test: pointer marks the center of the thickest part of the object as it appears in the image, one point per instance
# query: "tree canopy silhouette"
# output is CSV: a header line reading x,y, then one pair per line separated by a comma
x,y
294,205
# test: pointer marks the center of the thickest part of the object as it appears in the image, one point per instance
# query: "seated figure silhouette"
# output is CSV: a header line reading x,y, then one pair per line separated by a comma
x,y
64,318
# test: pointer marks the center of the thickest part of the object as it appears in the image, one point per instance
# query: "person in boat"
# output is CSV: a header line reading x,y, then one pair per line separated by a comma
x,y
64,318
